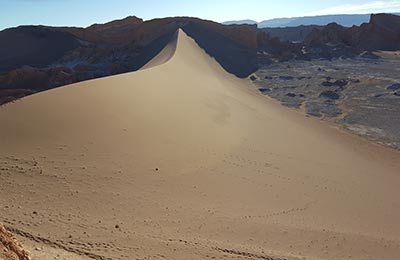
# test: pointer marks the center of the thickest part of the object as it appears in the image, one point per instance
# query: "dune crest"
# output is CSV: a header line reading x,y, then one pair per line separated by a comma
x,y
185,161
165,54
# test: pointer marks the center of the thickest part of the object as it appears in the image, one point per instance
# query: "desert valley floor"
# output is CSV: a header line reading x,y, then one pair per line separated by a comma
x,y
181,160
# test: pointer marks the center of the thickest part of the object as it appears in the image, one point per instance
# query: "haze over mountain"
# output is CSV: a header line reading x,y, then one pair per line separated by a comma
x,y
346,20
246,21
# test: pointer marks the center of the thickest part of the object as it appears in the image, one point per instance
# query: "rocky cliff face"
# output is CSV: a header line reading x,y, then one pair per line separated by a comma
x,y
292,34
381,33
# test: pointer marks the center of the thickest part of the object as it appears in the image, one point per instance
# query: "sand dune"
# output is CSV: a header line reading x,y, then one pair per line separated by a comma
x,y
165,54
182,160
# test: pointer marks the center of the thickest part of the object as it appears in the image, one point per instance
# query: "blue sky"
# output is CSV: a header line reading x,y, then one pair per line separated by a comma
x,y
86,12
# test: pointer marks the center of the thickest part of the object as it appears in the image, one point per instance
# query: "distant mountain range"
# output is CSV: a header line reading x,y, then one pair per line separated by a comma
x,y
247,21
346,20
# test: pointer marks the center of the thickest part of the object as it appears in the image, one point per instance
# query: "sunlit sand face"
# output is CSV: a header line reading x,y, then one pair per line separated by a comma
x,y
185,161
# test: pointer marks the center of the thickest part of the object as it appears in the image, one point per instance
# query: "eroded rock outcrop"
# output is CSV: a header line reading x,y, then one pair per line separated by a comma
x,y
10,248
333,40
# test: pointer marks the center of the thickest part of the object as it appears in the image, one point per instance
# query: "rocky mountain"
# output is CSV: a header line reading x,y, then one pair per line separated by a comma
x,y
381,33
292,34
33,46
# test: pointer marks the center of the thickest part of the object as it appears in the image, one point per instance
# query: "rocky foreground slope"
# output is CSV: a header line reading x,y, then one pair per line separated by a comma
x,y
10,248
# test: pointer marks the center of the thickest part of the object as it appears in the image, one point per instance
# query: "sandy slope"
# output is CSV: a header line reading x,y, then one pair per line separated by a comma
x,y
184,161
164,55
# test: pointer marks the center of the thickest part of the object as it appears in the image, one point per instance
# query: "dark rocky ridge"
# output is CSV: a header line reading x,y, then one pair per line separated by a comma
x,y
33,46
292,34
